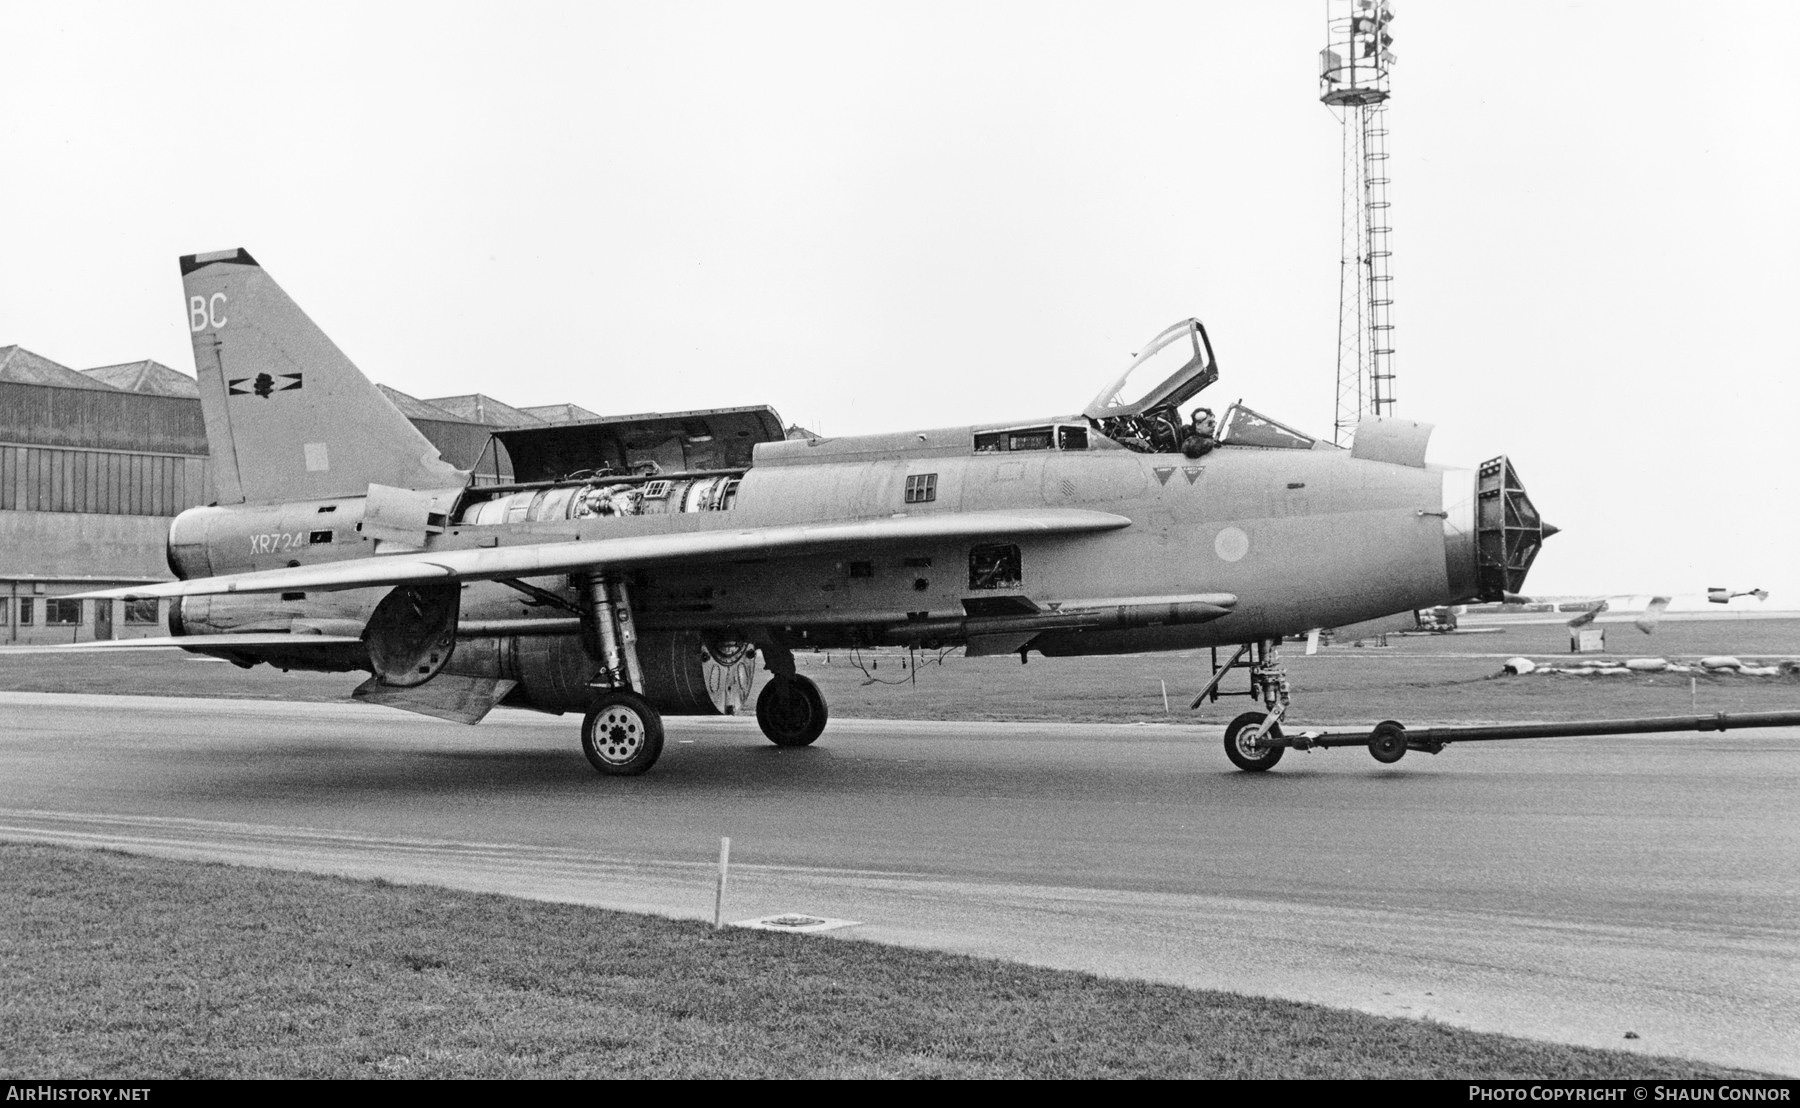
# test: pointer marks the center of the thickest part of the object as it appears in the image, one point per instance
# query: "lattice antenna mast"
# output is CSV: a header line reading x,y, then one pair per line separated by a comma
x,y
1353,83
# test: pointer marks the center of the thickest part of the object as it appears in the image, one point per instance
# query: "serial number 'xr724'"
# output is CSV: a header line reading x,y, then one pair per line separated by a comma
x,y
274,542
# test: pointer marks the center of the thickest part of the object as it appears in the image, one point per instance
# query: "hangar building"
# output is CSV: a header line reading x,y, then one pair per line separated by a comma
x,y
95,463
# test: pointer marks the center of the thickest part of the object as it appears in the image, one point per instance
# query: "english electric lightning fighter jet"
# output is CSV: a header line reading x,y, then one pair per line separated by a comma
x,y
624,568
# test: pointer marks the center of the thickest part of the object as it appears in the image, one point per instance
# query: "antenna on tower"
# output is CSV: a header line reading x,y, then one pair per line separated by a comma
x,y
1353,83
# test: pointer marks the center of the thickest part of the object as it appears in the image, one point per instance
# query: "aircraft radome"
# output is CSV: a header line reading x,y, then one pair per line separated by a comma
x,y
628,567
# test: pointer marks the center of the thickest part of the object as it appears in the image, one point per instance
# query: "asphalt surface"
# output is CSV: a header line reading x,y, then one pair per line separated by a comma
x,y
1574,890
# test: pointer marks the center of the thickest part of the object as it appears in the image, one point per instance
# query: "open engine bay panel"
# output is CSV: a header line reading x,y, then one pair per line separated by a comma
x,y
661,464
640,445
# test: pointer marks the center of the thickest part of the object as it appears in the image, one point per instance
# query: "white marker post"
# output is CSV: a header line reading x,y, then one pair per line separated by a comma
x,y
719,899
1165,689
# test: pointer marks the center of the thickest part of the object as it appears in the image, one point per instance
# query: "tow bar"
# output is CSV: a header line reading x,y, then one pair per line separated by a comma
x,y
1389,740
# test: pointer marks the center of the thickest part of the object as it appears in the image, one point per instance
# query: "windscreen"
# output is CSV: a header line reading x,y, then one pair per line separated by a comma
x,y
1244,427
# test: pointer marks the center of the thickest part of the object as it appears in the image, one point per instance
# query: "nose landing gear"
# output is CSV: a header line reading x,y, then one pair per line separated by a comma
x,y
1254,741
1246,738
1244,746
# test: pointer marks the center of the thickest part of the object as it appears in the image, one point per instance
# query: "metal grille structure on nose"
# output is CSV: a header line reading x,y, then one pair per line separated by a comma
x,y
1509,530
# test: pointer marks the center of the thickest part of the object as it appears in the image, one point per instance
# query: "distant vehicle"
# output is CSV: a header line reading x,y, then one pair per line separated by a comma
x,y
632,567
1440,620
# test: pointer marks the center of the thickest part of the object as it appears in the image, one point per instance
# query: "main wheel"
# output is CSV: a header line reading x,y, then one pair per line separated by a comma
x,y
791,711
1387,742
622,734
1255,759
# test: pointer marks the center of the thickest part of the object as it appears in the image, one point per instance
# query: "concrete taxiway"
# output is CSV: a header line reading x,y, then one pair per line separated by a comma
x,y
1574,890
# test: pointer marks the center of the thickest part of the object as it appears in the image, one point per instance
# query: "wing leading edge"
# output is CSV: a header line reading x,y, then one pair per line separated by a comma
x,y
537,559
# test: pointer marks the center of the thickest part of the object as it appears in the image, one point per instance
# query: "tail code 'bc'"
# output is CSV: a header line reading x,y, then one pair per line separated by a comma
x,y
288,416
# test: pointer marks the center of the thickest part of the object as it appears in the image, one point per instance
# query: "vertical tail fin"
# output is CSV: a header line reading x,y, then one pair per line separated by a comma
x,y
288,416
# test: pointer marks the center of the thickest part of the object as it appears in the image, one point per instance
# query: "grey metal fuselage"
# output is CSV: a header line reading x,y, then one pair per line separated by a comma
x,y
1301,538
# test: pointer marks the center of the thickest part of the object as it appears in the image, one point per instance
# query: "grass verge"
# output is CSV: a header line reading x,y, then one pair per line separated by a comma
x,y
132,967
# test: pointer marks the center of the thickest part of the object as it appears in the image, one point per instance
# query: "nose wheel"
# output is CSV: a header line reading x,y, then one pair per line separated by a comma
x,y
1242,739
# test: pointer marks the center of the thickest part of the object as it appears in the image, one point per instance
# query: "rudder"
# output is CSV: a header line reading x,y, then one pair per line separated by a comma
x,y
288,416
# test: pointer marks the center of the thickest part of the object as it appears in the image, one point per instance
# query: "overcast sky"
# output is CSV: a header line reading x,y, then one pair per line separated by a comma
x,y
880,216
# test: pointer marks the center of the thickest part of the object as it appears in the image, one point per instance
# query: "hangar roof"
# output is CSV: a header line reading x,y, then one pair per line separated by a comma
x,y
147,376
413,408
560,413
479,408
20,366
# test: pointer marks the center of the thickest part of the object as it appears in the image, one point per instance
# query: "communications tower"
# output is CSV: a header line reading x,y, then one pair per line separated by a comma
x,y
1353,83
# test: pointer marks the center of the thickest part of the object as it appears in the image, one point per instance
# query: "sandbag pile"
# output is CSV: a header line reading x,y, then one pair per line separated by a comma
x,y
1715,665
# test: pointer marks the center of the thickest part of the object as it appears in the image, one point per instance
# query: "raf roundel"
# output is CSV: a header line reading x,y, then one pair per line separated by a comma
x,y
1231,544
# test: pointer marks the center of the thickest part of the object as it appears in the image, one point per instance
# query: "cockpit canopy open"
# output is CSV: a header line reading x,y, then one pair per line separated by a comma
x,y
1142,409
1167,373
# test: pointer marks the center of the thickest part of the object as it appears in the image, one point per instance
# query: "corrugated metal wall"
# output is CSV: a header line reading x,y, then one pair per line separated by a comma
x,y
108,482
41,415
100,452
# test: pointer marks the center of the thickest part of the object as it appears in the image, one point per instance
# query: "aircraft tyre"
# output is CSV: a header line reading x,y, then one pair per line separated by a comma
x,y
1239,750
622,735
791,711
1387,742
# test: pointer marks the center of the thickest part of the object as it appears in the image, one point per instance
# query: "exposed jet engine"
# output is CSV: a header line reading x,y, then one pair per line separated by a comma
x,y
606,497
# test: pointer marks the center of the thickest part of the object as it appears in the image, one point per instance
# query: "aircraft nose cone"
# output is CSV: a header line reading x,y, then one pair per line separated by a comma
x,y
1508,527
1550,529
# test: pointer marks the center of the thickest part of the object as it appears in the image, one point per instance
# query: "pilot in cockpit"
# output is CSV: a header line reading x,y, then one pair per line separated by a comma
x,y
1201,435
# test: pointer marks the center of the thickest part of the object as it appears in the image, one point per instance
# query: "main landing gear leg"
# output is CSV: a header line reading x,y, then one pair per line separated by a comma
x,y
1244,737
622,735
790,710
